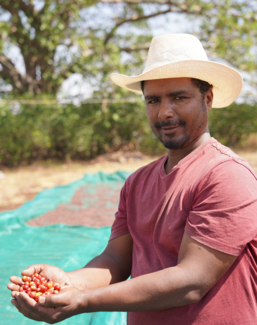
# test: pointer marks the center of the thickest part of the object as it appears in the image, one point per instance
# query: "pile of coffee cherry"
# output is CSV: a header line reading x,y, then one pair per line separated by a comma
x,y
37,286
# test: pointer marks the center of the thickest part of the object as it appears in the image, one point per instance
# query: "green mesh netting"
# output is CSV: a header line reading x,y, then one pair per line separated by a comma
x,y
67,247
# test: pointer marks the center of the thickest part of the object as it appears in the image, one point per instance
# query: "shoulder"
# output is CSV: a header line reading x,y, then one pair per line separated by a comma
x,y
217,160
216,168
227,162
227,176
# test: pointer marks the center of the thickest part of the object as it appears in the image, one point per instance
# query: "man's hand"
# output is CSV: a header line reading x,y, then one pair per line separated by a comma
x,y
47,271
52,308
29,308
112,266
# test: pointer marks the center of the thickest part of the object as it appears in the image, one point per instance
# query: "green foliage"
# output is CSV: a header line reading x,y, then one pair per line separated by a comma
x,y
35,132
232,125
230,32
70,132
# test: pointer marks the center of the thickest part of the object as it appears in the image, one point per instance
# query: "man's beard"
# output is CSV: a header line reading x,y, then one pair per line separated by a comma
x,y
171,143
181,141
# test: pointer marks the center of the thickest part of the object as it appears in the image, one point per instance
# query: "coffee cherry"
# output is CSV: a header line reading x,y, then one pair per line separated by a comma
x,y
57,287
49,285
43,288
36,298
32,294
37,285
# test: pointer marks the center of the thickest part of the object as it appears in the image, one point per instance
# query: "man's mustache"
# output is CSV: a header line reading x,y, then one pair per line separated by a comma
x,y
161,124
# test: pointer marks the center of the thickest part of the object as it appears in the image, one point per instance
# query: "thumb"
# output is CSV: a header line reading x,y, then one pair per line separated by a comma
x,y
54,300
32,269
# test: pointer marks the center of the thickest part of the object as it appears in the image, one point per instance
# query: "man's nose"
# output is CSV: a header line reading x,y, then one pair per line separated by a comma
x,y
166,111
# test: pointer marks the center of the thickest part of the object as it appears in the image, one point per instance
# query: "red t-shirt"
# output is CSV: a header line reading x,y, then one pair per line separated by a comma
x,y
212,196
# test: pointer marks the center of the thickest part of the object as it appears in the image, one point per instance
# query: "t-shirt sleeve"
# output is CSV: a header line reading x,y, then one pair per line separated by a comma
x,y
224,210
120,226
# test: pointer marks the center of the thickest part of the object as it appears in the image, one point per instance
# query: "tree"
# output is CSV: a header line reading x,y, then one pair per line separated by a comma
x,y
57,38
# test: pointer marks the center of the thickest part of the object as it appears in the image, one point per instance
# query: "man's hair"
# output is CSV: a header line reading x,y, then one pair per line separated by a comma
x,y
203,86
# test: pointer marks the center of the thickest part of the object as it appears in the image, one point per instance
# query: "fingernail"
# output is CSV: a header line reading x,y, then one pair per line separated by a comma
x,y
41,300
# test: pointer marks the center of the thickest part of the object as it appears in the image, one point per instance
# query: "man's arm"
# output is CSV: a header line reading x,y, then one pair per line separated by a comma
x,y
199,268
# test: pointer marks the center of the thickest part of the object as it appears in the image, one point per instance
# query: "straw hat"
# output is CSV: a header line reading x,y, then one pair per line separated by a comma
x,y
182,55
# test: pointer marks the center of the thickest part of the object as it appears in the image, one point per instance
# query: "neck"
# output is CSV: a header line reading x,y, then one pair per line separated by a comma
x,y
174,156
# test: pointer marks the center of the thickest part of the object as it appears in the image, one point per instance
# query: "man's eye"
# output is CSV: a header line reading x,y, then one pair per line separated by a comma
x,y
179,98
153,101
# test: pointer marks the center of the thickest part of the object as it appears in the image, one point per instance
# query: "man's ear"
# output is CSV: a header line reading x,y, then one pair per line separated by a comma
x,y
209,99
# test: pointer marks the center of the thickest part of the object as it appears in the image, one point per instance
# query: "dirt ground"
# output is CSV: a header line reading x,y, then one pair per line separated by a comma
x,y
22,184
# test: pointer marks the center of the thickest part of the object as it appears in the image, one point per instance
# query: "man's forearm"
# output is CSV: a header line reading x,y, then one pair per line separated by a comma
x,y
160,290
101,271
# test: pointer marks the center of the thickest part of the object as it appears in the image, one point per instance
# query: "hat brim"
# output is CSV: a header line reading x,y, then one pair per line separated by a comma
x,y
227,82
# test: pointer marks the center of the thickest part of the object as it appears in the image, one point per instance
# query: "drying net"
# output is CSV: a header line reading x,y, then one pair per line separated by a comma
x,y
65,226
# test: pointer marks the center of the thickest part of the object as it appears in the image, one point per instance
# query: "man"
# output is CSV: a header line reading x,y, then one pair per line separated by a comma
x,y
186,226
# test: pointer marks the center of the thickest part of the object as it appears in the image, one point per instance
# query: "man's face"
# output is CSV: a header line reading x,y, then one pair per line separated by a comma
x,y
176,110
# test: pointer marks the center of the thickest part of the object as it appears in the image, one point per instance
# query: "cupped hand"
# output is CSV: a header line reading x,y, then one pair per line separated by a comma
x,y
47,271
52,308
